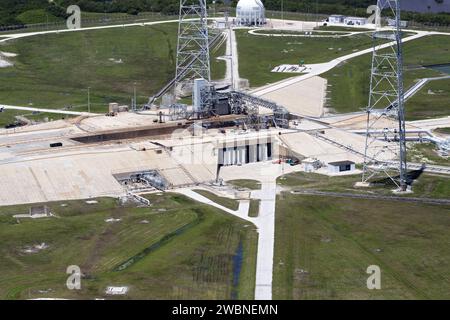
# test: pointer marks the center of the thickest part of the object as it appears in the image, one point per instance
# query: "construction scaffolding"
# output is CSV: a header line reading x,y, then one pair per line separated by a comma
x,y
386,101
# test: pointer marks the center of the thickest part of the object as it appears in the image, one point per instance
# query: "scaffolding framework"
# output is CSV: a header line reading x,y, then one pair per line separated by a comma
x,y
385,109
193,58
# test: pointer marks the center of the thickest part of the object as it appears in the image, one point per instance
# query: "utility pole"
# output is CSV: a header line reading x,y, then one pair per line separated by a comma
x,y
89,99
317,13
134,100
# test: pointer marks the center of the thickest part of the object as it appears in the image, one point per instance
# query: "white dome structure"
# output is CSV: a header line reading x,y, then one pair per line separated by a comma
x,y
250,13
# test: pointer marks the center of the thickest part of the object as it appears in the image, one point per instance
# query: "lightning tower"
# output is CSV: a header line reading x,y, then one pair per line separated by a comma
x,y
193,43
385,151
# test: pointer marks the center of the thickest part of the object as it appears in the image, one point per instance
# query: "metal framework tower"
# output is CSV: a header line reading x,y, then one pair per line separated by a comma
x,y
193,43
385,136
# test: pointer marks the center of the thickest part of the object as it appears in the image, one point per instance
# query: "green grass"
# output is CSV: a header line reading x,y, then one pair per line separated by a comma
x,y
323,247
336,28
350,82
254,208
37,16
226,202
195,262
431,101
55,70
274,51
426,152
246,184
427,185
432,186
443,130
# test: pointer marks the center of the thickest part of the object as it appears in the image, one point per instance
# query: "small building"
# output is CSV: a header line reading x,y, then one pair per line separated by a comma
x,y
403,23
116,108
336,18
355,21
341,166
311,164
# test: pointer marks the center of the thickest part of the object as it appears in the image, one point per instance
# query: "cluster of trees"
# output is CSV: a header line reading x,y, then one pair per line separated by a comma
x,y
10,9
125,6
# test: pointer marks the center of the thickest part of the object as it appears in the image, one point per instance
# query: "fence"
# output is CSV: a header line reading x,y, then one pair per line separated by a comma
x,y
103,20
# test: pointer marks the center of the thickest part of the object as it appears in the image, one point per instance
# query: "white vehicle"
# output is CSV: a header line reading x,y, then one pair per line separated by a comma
x,y
2,108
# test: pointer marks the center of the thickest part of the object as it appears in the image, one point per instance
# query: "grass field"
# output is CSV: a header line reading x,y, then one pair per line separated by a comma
x,y
443,130
55,71
430,102
254,208
426,152
274,51
426,186
176,249
349,83
323,247
246,184
226,202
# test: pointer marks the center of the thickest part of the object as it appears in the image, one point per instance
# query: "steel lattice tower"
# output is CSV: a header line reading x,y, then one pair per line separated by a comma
x,y
385,151
193,59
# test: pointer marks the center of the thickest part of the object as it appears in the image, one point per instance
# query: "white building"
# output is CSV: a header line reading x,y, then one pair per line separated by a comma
x,y
341,166
336,18
250,13
392,23
355,21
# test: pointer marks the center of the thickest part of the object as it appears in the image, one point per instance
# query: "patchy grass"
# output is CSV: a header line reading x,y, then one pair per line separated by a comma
x,y
246,184
254,208
226,202
443,130
426,186
431,101
426,153
433,186
192,256
324,245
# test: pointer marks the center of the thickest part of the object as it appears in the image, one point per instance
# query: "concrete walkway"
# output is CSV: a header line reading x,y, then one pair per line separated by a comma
x,y
266,241
55,111
242,212
265,224
234,61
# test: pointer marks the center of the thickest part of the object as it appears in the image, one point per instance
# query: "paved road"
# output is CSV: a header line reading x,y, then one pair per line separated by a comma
x,y
318,69
43,110
234,61
30,34
266,241
431,124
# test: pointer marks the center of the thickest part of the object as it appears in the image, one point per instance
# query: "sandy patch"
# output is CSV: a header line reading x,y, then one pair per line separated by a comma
x,y
4,61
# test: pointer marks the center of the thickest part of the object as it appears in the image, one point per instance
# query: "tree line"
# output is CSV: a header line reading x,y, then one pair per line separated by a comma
x,y
11,9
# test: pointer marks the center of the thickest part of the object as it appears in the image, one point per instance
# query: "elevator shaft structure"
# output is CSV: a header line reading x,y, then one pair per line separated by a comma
x,y
193,58
385,109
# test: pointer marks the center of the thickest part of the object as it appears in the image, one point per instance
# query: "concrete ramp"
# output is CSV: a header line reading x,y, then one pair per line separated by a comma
x,y
304,98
